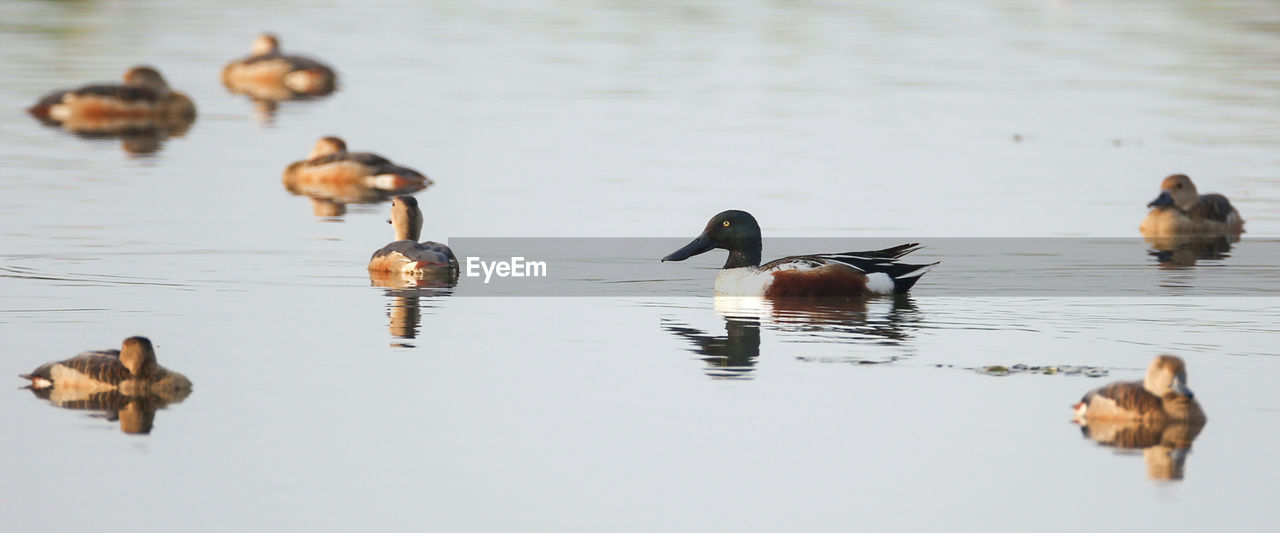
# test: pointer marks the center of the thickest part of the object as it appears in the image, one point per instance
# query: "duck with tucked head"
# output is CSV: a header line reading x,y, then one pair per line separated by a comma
x,y
144,96
331,166
839,275
267,73
406,256
1162,396
1181,211
132,371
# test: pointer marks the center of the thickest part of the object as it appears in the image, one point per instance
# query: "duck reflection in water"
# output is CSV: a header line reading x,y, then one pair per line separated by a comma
x,y
406,293
734,355
332,177
136,414
1164,445
1183,251
126,385
1158,415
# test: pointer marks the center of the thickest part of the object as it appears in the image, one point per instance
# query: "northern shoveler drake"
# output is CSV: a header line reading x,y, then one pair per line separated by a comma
x,y
1180,210
144,96
266,73
406,255
1162,396
849,274
330,165
132,370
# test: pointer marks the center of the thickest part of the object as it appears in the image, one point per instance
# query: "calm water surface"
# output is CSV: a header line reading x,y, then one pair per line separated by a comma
x,y
324,402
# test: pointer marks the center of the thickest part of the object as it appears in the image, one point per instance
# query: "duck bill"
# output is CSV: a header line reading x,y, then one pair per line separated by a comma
x,y
1164,199
699,245
1180,388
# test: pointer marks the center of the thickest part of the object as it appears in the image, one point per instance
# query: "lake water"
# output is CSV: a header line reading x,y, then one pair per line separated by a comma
x,y
324,402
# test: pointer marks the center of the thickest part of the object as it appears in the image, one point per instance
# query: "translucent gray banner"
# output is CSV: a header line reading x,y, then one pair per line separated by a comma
x,y
1018,267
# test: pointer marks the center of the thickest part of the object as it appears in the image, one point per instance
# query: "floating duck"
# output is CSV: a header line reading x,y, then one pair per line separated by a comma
x,y
849,274
1180,210
1162,396
406,256
143,112
270,75
330,168
132,371
144,95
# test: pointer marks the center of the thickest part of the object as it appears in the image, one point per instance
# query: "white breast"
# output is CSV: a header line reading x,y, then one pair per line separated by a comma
x,y
750,281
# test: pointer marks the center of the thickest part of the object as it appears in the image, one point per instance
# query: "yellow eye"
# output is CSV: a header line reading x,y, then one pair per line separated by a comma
x,y
726,223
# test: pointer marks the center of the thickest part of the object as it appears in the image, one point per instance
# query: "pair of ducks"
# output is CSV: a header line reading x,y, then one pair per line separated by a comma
x,y
330,164
1179,211
145,95
1161,398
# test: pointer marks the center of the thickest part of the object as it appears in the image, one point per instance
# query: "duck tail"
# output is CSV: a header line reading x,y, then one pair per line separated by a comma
x,y
905,276
42,108
895,252
37,382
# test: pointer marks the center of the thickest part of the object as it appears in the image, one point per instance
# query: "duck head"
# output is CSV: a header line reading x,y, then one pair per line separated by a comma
x,y
146,77
138,356
326,146
1166,376
265,44
735,231
1177,190
406,218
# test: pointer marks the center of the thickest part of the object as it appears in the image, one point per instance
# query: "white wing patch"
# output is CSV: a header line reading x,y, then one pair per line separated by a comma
x,y
382,181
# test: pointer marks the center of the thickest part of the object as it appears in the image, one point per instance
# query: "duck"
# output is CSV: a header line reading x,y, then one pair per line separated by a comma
x,y
132,371
407,256
1180,210
1161,397
837,275
267,73
330,165
145,95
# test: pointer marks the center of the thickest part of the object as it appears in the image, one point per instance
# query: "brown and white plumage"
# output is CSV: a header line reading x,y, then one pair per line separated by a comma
x,y
406,255
131,371
269,74
838,275
1162,396
145,95
142,112
1182,210
331,166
